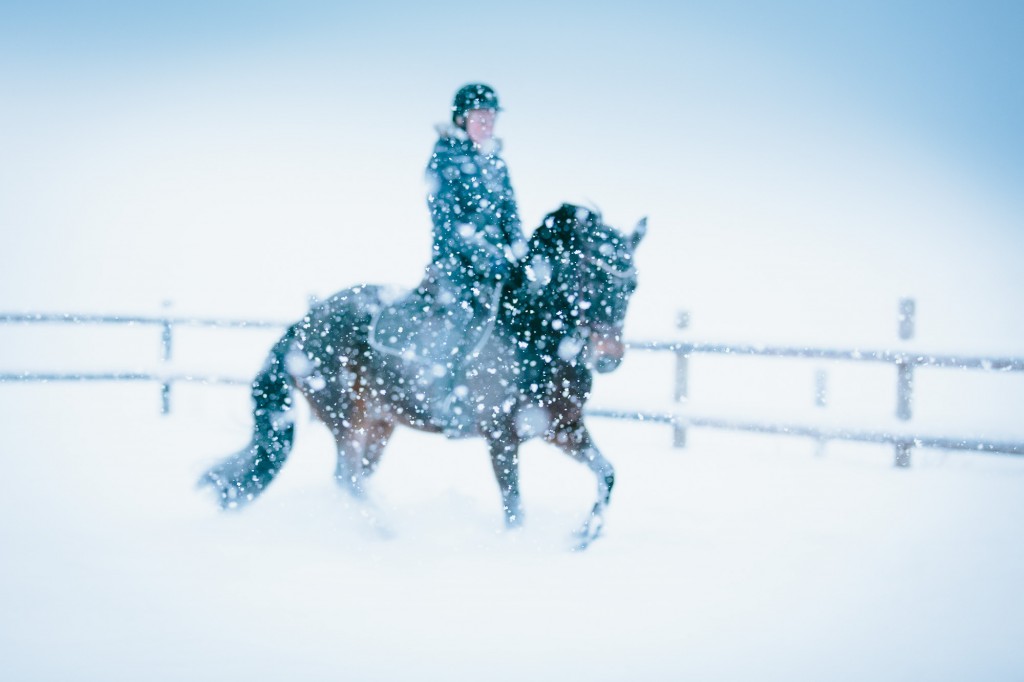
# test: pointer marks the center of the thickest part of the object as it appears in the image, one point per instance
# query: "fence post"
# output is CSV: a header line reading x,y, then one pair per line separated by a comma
x,y
908,309
682,384
682,387
904,387
681,395
902,453
904,368
821,388
678,433
166,342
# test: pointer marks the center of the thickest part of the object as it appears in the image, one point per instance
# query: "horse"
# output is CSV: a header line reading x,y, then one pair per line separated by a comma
x,y
559,318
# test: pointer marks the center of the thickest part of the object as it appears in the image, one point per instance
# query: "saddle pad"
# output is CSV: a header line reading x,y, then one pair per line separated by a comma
x,y
418,330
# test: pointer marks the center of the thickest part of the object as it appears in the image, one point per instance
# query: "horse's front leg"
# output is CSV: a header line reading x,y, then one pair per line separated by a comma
x,y
504,444
577,443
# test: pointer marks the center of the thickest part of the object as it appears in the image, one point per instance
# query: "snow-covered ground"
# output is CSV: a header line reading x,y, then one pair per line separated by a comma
x,y
737,558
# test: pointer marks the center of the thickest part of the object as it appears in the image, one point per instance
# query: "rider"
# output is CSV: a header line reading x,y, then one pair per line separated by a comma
x,y
478,237
477,233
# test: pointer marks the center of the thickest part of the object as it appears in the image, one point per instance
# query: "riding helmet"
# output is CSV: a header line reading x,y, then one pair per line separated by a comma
x,y
474,96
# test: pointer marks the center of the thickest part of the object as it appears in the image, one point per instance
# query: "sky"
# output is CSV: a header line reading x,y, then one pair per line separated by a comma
x,y
803,165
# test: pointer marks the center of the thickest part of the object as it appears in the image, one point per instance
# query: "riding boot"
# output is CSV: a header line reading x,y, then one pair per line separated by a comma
x,y
452,410
460,409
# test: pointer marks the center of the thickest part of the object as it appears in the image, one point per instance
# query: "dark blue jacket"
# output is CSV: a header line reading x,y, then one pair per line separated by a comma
x,y
477,233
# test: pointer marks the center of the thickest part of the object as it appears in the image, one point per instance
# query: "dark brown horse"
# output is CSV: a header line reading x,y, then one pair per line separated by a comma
x,y
559,318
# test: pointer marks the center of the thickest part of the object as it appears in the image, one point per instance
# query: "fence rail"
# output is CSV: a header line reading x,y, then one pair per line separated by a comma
x,y
76,318
905,363
166,325
902,442
884,356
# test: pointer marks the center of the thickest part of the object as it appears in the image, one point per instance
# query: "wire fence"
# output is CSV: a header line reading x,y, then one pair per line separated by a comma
x,y
679,419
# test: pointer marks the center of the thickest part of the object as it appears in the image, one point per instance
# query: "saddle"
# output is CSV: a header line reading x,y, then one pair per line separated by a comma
x,y
417,328
438,331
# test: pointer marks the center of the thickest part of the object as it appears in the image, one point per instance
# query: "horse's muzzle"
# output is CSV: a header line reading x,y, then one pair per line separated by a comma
x,y
606,351
606,364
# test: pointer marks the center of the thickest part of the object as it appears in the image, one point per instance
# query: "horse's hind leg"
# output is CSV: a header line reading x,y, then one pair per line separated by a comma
x,y
344,413
577,443
504,446
377,435
360,446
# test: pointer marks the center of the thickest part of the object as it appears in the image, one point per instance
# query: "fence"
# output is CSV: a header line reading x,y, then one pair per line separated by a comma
x,y
166,326
904,362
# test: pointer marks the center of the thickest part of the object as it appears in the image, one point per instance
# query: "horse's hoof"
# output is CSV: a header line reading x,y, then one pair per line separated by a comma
x,y
375,522
353,486
590,531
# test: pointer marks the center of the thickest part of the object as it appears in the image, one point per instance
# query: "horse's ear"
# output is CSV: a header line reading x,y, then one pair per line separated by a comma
x,y
638,232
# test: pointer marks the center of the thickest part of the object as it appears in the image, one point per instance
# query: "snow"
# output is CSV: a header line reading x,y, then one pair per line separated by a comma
x,y
730,560
804,169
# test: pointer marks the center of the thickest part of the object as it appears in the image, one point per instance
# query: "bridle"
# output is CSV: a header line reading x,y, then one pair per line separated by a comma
x,y
608,268
588,272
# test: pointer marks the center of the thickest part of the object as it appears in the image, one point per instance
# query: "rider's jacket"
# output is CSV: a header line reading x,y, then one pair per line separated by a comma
x,y
477,233
478,240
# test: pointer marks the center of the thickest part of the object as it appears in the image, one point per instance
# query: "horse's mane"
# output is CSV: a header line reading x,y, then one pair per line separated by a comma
x,y
562,232
538,306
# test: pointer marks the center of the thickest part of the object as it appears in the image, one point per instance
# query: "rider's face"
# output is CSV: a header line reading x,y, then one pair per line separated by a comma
x,y
480,124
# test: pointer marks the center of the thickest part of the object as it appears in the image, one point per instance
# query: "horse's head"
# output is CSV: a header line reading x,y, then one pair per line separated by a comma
x,y
587,268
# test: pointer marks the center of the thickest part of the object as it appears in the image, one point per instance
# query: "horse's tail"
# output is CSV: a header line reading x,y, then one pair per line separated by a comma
x,y
241,477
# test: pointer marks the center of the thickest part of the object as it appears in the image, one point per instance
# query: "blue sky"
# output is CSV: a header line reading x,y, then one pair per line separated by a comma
x,y
782,150
948,72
